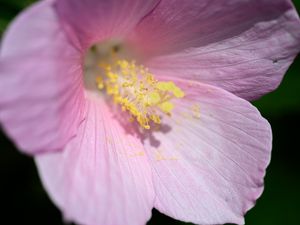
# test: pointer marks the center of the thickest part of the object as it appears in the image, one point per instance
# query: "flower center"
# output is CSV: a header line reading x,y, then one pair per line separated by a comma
x,y
135,89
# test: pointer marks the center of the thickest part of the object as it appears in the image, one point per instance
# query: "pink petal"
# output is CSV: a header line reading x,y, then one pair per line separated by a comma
x,y
244,47
41,91
92,21
103,175
209,157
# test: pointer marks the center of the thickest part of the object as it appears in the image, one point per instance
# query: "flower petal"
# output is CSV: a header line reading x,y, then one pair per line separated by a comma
x,y
42,99
103,175
244,47
210,156
92,21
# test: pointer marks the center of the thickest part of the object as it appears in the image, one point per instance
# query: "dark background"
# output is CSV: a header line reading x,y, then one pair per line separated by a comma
x,y
23,200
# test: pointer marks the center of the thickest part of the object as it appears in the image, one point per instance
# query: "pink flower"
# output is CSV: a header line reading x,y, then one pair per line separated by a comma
x,y
196,150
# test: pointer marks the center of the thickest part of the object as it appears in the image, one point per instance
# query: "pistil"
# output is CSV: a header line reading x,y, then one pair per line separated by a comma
x,y
136,90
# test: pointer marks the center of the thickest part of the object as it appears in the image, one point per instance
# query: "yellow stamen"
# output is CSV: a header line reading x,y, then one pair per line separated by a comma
x,y
137,91
166,107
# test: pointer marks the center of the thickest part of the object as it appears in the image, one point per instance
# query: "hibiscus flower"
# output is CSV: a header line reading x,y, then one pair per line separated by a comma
x,y
129,105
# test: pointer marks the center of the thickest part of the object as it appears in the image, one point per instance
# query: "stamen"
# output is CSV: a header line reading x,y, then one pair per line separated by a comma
x,y
137,91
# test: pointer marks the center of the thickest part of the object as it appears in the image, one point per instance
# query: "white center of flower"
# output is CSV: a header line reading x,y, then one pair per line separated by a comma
x,y
130,85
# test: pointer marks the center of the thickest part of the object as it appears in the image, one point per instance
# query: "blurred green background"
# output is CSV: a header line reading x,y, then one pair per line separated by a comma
x,y
23,200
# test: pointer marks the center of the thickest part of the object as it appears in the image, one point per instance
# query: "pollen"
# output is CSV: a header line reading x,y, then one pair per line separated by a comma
x,y
136,90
